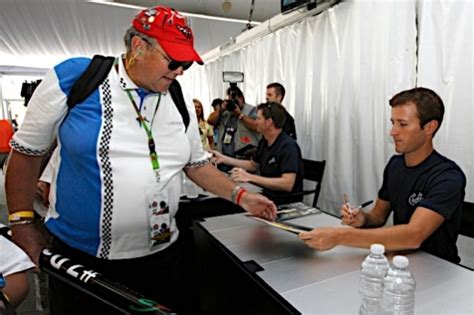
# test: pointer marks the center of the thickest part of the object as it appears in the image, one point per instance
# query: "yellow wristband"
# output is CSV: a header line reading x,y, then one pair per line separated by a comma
x,y
21,215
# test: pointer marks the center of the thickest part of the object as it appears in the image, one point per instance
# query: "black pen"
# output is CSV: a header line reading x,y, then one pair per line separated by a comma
x,y
365,204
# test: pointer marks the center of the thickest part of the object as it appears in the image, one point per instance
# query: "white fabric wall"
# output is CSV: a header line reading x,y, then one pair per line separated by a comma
x,y
339,68
446,65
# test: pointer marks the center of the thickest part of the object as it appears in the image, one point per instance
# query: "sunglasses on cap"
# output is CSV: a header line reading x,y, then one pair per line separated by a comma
x,y
172,64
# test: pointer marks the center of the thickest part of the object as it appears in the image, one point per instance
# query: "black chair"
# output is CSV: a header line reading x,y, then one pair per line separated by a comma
x,y
313,171
467,219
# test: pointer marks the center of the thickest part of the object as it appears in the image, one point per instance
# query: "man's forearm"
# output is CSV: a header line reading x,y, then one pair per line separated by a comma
x,y
218,183
378,215
396,237
372,220
249,122
274,183
20,181
245,164
20,186
211,179
213,118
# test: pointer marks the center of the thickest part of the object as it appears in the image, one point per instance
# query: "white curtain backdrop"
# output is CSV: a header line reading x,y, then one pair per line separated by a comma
x,y
446,66
339,69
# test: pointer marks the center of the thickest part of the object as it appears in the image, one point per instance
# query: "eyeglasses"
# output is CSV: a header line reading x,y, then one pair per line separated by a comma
x,y
172,64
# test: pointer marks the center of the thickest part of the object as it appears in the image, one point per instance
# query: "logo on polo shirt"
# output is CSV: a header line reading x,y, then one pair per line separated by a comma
x,y
271,161
415,198
174,123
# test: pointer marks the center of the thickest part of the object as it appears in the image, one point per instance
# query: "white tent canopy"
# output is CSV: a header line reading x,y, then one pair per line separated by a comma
x,y
43,33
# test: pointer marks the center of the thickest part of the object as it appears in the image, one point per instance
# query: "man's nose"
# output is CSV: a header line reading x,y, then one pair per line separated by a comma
x,y
393,130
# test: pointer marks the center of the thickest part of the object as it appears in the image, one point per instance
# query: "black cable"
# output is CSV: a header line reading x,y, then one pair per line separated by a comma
x,y
252,5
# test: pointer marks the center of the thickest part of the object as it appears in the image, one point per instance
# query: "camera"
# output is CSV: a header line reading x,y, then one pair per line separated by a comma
x,y
231,103
233,78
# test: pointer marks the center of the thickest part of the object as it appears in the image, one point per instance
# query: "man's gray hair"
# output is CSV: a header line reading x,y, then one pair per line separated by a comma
x,y
133,32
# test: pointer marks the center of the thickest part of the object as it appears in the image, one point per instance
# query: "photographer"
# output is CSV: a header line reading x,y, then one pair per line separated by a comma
x,y
236,123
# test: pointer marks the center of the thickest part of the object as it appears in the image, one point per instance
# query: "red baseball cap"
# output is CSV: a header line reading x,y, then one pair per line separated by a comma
x,y
171,31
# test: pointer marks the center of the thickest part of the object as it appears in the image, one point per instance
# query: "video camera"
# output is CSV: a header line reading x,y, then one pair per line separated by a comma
x,y
233,78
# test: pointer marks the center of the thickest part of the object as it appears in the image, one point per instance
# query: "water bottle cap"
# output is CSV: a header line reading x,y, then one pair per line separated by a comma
x,y
400,261
378,249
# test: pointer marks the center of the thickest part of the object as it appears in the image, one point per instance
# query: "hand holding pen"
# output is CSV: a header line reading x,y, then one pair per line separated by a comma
x,y
353,216
348,206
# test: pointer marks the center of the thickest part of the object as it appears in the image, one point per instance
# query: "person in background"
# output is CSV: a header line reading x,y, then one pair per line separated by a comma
x,y
422,188
276,93
14,264
216,106
277,159
121,153
236,122
205,130
15,122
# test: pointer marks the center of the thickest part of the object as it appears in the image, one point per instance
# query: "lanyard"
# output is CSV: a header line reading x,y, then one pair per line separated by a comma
x,y
151,142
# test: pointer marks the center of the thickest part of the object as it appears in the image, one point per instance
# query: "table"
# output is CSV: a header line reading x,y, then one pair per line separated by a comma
x,y
246,266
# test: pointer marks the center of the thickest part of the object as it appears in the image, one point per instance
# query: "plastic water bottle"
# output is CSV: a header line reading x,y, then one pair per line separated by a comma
x,y
398,296
372,271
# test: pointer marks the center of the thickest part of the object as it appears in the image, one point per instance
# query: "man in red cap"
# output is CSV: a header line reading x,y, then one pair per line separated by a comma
x,y
118,174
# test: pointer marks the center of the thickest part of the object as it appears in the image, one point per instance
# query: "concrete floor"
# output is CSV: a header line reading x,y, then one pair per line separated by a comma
x,y
36,302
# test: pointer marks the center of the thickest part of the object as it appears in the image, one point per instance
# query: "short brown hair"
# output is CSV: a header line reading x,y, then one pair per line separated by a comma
x,y
428,104
279,88
275,111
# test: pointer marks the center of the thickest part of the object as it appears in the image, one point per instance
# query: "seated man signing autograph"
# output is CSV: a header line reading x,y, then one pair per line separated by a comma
x,y
424,189
278,158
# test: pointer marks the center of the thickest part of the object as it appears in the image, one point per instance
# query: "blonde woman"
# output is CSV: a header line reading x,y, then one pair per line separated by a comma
x,y
205,130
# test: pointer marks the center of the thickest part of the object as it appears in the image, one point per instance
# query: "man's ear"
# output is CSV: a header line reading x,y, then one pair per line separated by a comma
x,y
269,121
431,126
137,46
